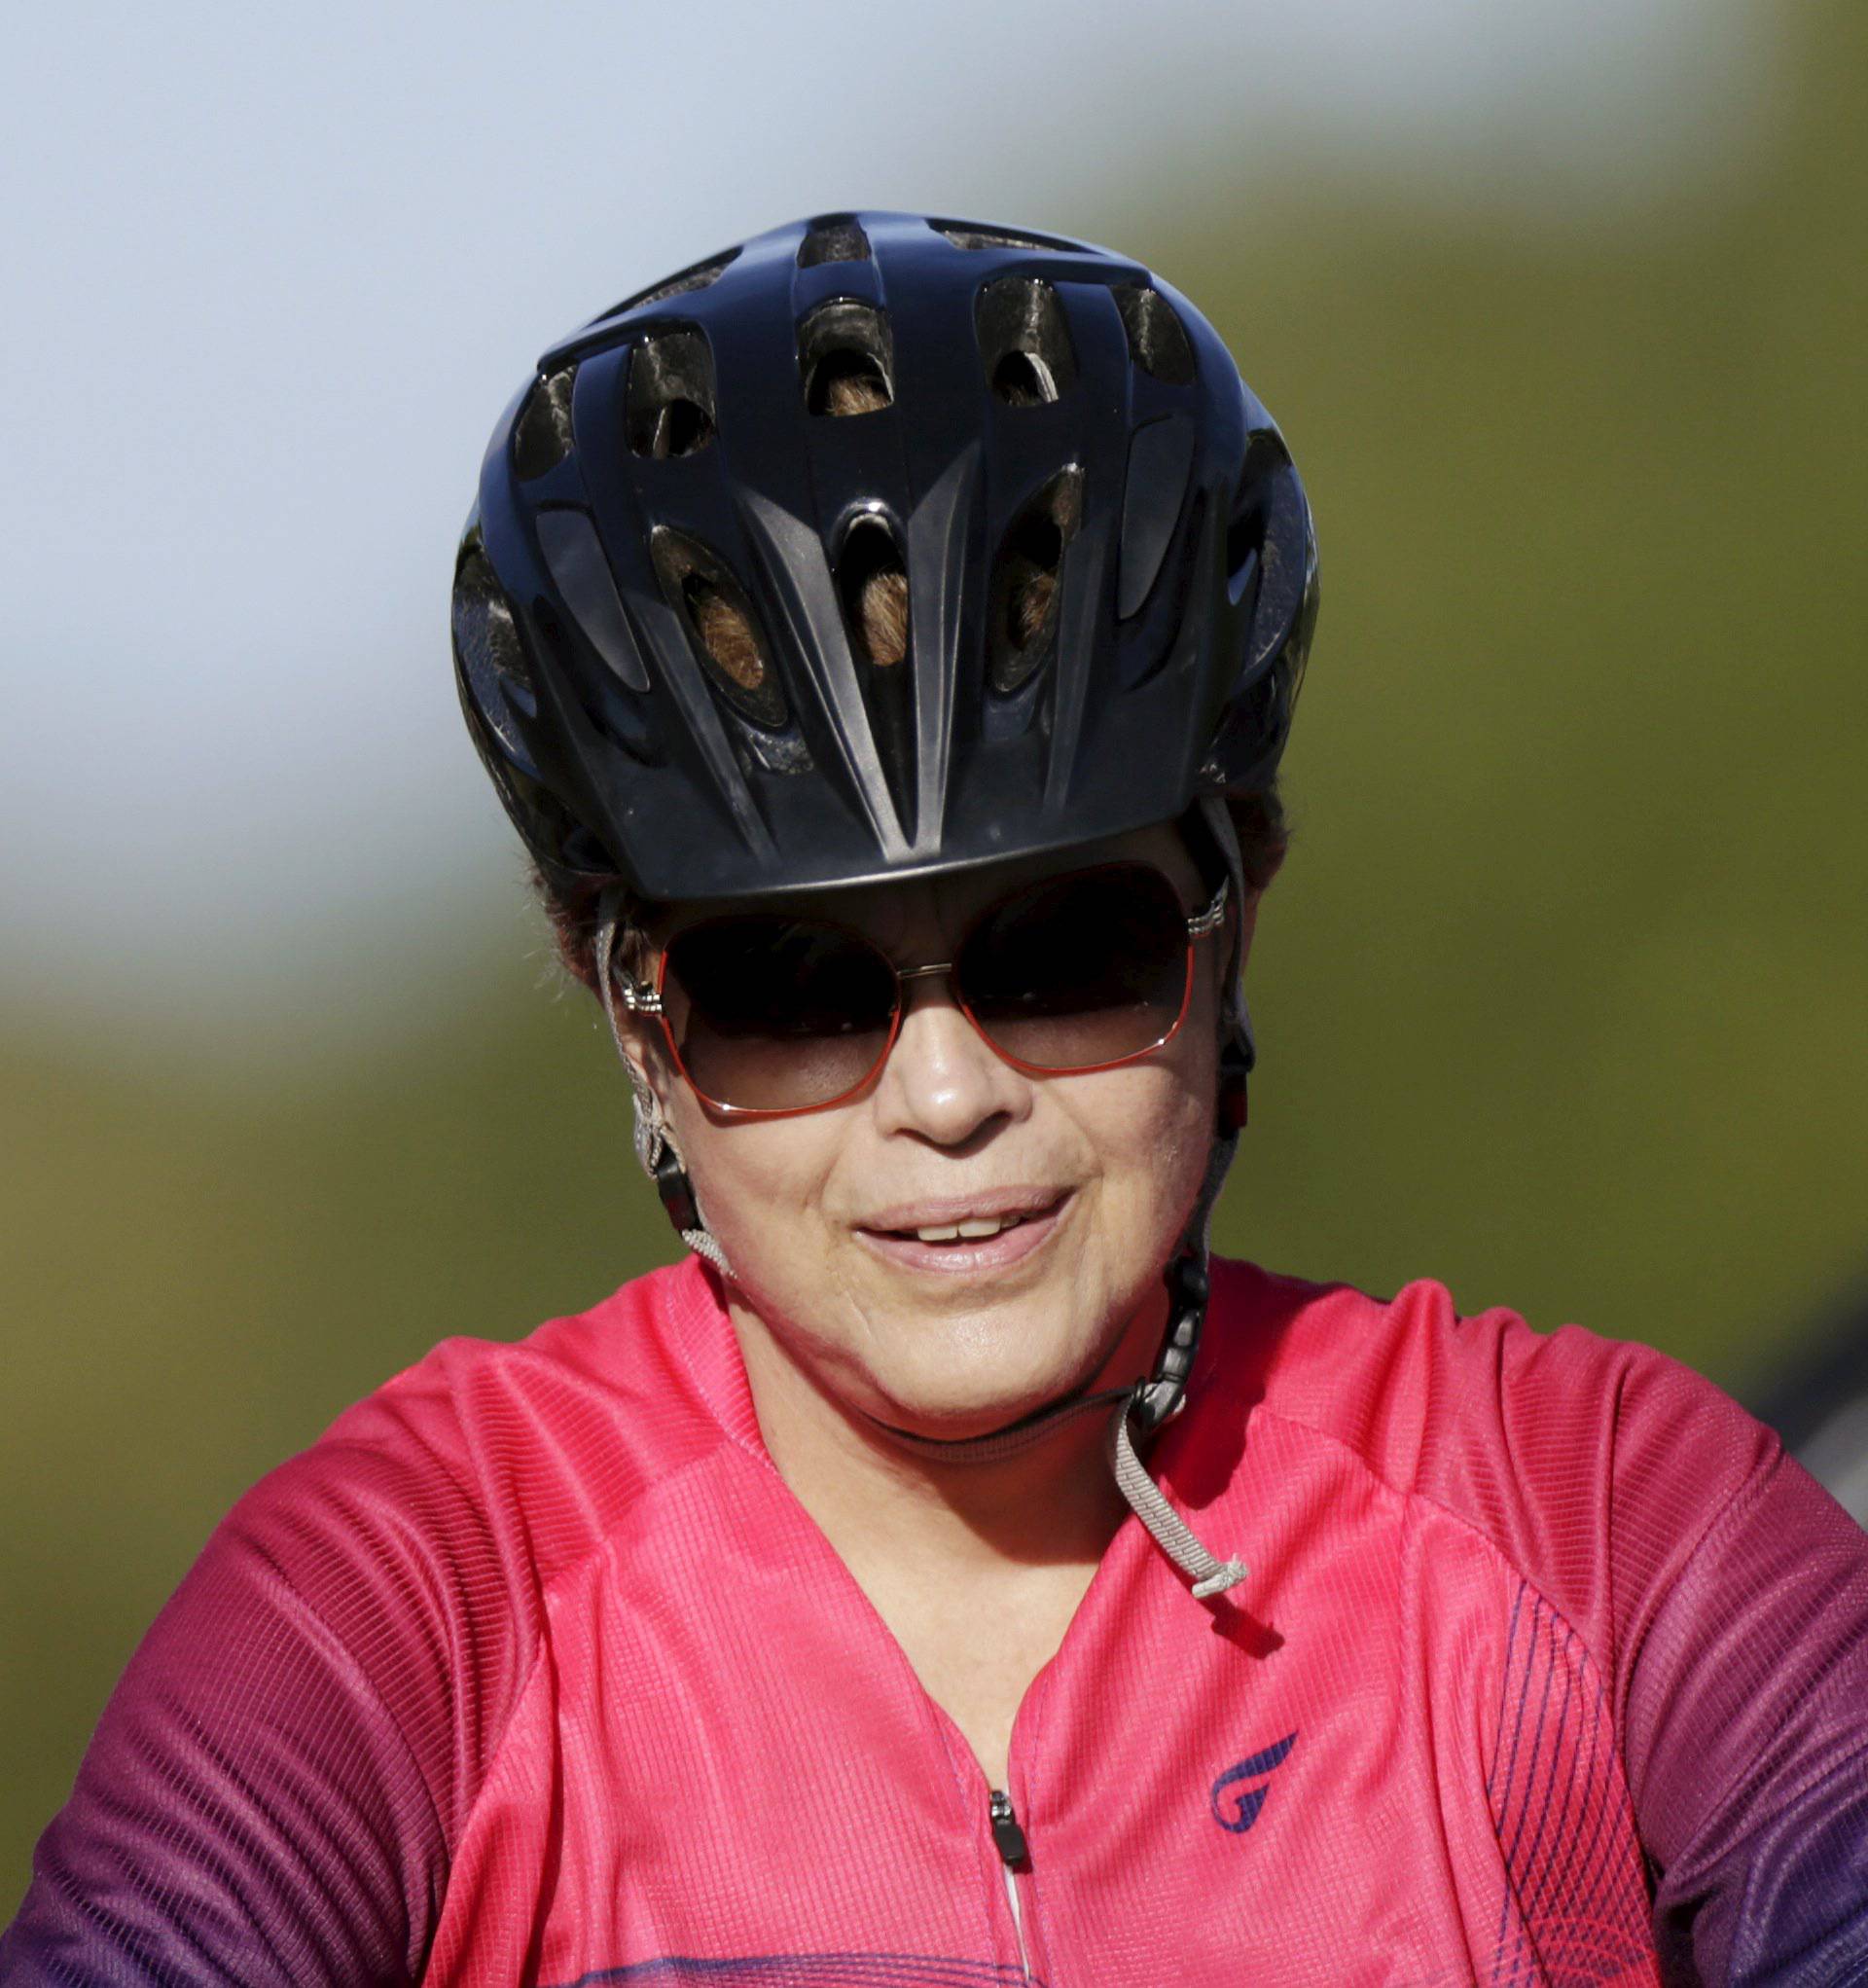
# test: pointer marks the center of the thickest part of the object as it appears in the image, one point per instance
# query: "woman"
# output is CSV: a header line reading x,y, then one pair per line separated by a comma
x,y
885,637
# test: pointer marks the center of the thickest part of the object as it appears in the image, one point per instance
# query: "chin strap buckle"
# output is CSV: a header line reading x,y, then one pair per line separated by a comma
x,y
1158,1399
673,1184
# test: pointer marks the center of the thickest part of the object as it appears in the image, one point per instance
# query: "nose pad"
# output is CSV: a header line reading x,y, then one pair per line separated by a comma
x,y
943,1079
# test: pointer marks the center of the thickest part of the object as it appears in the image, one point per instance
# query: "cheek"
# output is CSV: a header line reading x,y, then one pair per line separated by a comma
x,y
760,1184
1152,1127
1166,1128
1146,1133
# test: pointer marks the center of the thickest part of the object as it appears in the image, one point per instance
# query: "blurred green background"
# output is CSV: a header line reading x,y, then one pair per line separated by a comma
x,y
1560,995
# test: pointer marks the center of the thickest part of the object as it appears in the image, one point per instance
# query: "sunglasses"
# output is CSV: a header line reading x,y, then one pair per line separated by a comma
x,y
768,1015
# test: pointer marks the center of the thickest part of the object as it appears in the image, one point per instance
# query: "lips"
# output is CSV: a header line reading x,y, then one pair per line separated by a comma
x,y
965,1235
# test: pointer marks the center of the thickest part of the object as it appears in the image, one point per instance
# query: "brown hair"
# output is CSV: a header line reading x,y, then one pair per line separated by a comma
x,y
882,605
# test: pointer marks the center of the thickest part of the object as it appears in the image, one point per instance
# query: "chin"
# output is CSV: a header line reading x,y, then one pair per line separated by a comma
x,y
943,1423
965,1398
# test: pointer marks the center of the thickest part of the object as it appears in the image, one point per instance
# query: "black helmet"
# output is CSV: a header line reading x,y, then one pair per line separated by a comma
x,y
1031,410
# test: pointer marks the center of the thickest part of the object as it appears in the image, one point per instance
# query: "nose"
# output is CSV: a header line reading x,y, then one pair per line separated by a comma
x,y
943,1082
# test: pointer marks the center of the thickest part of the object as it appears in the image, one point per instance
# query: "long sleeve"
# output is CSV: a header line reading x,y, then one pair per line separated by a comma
x,y
247,1812
1746,1727
1720,1594
271,1793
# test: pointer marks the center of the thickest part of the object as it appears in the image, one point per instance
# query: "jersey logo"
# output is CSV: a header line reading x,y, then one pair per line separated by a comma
x,y
1237,1808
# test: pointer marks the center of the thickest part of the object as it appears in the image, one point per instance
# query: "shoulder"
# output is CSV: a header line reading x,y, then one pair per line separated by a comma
x,y
1592,1466
437,1513
533,1447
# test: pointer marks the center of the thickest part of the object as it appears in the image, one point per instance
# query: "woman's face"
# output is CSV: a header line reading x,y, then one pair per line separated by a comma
x,y
817,1212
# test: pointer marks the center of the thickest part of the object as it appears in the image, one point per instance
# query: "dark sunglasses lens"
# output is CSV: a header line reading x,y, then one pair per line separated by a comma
x,y
1079,970
773,1014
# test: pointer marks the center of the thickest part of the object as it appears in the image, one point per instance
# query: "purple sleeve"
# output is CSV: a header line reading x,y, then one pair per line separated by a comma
x,y
272,1791
1746,1722
248,1809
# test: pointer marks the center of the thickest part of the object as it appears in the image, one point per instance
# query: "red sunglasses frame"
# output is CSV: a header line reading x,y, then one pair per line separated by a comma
x,y
640,1000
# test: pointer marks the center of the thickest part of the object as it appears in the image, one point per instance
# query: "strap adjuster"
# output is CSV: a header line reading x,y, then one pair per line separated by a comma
x,y
676,1190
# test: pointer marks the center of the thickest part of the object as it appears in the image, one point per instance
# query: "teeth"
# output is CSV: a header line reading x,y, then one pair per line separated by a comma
x,y
968,1230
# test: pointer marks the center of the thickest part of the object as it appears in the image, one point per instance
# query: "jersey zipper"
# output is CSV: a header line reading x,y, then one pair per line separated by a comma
x,y
1015,1855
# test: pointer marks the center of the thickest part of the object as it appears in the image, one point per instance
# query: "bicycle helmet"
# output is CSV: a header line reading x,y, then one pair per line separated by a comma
x,y
1032,410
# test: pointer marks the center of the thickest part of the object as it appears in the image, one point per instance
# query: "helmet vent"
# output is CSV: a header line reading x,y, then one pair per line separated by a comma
x,y
847,357
873,580
667,406
542,434
1157,341
1022,379
486,641
833,238
1026,581
695,277
721,626
970,235
1024,342
1265,458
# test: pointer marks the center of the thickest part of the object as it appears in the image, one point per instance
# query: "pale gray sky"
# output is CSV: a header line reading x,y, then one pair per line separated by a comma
x,y
273,272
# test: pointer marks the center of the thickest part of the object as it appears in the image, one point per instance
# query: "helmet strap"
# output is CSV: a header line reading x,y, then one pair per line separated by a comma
x,y
654,1147
1160,1397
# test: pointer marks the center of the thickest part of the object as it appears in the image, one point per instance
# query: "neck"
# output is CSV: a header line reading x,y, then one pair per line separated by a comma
x,y
1050,1503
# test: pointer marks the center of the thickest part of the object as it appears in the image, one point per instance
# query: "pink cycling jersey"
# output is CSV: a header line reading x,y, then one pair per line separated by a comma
x,y
1551,1668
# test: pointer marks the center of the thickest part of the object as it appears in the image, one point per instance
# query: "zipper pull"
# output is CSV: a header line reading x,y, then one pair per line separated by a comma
x,y
1006,1833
